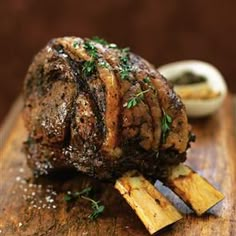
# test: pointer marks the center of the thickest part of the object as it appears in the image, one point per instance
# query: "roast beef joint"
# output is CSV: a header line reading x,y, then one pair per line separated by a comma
x,y
107,112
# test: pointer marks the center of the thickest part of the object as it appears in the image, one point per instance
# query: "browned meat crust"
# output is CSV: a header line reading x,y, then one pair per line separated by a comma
x,y
104,121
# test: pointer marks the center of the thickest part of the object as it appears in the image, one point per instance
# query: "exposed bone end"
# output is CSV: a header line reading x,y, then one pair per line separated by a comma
x,y
154,210
195,190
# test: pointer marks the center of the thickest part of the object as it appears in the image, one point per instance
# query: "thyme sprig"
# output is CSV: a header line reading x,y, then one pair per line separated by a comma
x,y
89,67
104,42
104,64
97,207
91,49
147,80
132,102
75,44
73,196
166,122
125,67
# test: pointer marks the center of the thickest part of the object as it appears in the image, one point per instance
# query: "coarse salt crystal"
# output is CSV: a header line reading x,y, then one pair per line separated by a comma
x,y
18,178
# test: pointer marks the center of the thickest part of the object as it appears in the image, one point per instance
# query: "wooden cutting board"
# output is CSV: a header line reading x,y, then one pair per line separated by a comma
x,y
37,207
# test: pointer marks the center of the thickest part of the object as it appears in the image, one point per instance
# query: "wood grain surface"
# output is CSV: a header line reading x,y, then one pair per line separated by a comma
x,y
31,206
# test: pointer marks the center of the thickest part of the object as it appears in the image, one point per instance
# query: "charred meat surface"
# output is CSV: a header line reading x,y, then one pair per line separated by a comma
x,y
103,110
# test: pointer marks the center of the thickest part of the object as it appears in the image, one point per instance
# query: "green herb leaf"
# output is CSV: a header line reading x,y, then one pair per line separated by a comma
x,y
136,99
89,68
104,42
99,40
165,125
125,50
125,67
67,198
104,64
97,207
124,73
97,210
85,191
91,49
73,196
146,80
75,44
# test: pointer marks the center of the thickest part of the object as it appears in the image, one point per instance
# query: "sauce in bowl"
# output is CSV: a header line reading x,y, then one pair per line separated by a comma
x,y
200,85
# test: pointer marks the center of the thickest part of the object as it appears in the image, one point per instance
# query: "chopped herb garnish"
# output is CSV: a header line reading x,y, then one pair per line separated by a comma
x,y
147,80
91,49
125,67
99,40
96,207
75,44
89,67
124,73
68,197
165,125
104,64
135,100
104,42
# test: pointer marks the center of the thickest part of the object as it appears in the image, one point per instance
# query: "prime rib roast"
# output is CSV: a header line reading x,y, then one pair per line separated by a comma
x,y
102,110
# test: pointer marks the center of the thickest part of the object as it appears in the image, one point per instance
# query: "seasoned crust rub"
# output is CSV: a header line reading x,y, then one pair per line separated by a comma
x,y
84,121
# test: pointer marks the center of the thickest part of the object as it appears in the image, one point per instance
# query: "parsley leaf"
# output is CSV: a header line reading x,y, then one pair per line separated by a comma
x,y
165,125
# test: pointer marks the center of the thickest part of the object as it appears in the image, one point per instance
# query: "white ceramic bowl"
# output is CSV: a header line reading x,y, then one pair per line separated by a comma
x,y
198,107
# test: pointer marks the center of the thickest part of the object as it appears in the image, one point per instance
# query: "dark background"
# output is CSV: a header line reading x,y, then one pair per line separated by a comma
x,y
161,31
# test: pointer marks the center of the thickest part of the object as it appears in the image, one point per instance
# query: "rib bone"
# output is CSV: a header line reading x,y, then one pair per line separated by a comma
x,y
154,210
193,189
